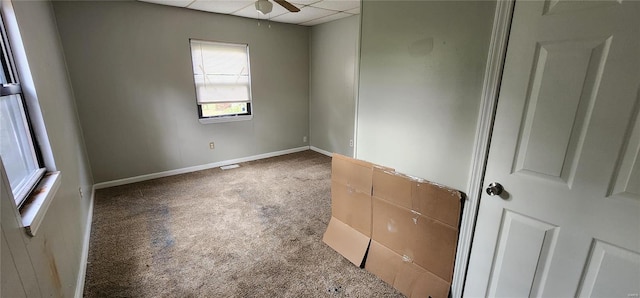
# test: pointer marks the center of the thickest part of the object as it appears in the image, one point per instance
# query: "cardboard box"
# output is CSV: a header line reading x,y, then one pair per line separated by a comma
x,y
405,227
416,238
350,243
352,207
407,277
354,173
429,199
414,233
349,230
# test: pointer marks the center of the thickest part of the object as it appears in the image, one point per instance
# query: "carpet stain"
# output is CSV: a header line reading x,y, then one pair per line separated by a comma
x,y
255,231
269,213
308,231
162,240
335,290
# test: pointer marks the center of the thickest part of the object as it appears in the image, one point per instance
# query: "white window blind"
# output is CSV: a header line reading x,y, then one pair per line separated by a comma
x,y
221,72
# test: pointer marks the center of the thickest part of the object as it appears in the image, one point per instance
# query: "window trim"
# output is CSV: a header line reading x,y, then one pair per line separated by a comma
x,y
35,206
223,118
13,87
30,184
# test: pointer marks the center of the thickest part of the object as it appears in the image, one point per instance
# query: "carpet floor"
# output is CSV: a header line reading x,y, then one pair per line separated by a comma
x,y
253,231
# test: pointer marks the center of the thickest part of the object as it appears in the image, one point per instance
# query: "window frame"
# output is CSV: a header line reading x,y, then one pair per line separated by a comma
x,y
13,86
36,204
248,115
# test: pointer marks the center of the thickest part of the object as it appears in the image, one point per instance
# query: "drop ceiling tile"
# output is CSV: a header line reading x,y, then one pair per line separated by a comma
x,y
303,2
220,6
354,11
337,5
309,15
305,14
179,3
329,18
251,12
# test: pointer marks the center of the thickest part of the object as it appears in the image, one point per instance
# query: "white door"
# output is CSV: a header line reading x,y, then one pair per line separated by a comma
x,y
565,147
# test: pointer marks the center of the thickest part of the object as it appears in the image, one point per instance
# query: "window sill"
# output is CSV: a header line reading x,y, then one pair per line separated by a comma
x,y
36,205
225,119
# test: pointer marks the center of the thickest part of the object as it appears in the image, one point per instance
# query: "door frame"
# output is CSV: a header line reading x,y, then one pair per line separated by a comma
x,y
488,103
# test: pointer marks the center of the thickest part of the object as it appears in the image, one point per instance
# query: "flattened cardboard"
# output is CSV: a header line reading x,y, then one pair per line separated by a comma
x,y
351,172
426,242
429,199
393,187
406,227
347,241
408,278
351,207
349,230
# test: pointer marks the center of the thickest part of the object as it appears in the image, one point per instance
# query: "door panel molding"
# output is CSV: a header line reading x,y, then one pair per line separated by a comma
x,y
534,241
606,262
624,183
563,6
547,149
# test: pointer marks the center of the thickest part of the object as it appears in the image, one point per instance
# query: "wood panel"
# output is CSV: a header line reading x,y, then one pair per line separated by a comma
x,y
10,276
16,239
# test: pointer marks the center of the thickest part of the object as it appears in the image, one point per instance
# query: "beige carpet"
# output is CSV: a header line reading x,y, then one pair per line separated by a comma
x,y
254,231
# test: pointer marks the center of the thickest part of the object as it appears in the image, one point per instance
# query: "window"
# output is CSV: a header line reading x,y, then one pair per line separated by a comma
x,y
222,80
18,149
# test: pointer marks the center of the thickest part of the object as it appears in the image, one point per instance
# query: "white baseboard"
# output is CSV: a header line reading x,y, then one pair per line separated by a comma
x,y
84,258
316,149
195,168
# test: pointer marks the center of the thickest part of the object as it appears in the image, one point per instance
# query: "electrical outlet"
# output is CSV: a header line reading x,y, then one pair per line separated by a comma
x,y
212,146
80,191
351,143
304,139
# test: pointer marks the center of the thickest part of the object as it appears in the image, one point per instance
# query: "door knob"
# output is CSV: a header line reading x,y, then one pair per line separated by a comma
x,y
494,189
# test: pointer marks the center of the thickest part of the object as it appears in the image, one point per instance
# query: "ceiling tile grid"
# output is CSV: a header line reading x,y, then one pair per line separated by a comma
x,y
220,6
312,12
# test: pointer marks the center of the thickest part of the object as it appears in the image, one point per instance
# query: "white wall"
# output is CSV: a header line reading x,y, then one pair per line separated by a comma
x,y
421,72
130,66
334,55
48,264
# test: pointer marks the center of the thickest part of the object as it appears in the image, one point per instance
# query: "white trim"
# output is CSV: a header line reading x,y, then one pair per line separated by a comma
x,y
195,168
224,119
356,86
84,258
230,167
26,82
26,186
325,152
490,90
37,203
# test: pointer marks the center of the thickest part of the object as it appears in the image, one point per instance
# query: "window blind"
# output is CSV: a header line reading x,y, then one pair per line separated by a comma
x,y
221,72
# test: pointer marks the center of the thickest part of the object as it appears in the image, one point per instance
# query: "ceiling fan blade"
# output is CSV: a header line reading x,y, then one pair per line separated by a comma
x,y
288,6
